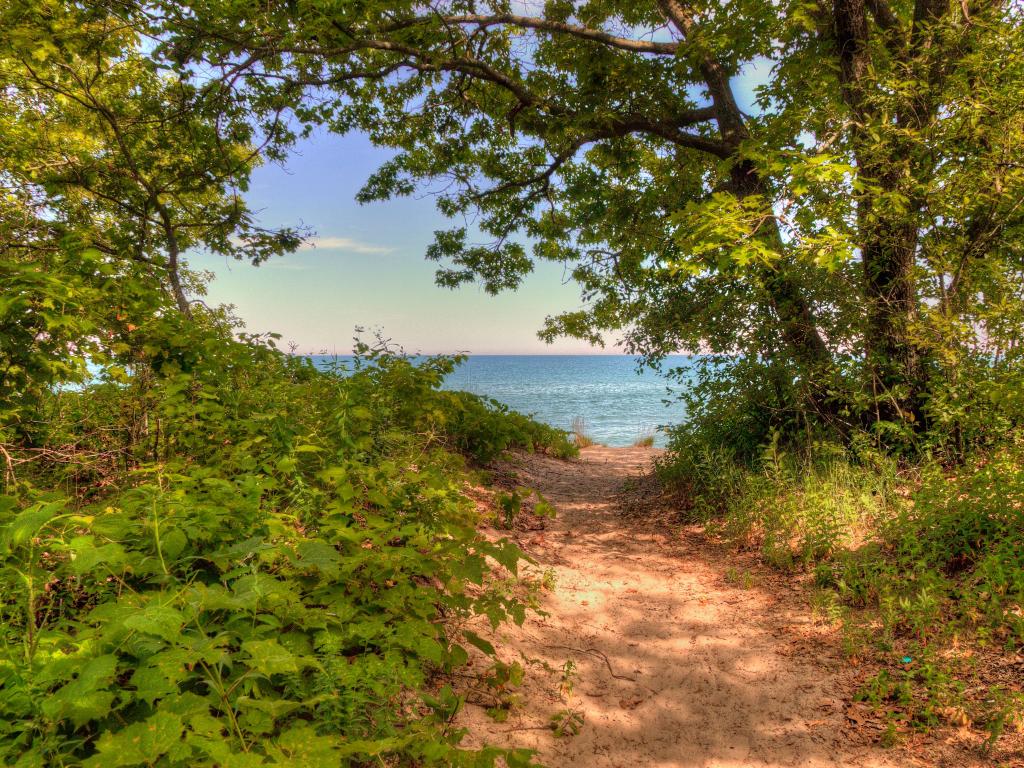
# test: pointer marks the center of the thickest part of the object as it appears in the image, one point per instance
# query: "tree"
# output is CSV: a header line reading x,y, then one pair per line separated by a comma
x,y
111,169
855,227
101,142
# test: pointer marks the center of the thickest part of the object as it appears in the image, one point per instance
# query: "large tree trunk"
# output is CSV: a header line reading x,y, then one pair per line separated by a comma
x,y
888,233
888,249
796,318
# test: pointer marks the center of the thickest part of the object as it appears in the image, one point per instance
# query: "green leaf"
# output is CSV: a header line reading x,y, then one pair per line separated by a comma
x,y
270,657
159,620
320,555
29,521
88,557
478,642
508,554
302,747
142,743
173,543
85,698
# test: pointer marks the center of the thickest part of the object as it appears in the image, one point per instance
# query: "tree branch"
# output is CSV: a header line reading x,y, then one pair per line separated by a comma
x,y
557,27
727,111
620,129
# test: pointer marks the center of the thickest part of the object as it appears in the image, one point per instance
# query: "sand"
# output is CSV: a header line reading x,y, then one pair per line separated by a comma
x,y
678,660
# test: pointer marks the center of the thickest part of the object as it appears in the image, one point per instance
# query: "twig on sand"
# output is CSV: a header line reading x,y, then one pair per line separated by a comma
x,y
526,728
595,652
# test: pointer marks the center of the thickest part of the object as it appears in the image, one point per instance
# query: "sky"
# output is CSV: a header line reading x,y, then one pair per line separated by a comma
x,y
365,265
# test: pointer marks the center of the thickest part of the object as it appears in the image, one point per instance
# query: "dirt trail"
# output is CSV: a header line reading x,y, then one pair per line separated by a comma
x,y
720,674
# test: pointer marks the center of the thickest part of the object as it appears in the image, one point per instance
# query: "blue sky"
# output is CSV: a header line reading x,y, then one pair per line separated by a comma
x,y
368,270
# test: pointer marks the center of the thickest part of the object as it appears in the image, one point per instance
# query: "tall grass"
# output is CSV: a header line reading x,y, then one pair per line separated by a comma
x,y
794,510
578,430
921,565
644,440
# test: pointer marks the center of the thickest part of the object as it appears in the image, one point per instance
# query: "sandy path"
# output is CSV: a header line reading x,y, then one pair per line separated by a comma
x,y
719,678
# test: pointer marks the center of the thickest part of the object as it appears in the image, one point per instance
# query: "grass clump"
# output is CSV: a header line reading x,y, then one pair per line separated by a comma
x,y
644,440
921,566
580,437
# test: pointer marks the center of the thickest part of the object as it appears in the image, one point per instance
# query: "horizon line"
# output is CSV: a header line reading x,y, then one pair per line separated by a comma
x,y
494,354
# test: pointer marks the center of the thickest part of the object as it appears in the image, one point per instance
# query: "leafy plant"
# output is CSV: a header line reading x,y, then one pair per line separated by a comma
x,y
569,720
265,574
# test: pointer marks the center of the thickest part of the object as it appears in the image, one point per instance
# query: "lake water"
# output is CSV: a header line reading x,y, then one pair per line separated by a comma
x,y
617,404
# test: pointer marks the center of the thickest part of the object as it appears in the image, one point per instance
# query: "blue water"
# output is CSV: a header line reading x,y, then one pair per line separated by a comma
x,y
617,404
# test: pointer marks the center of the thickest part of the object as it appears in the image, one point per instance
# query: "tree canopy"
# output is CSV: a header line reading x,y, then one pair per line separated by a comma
x,y
861,225
858,229
112,168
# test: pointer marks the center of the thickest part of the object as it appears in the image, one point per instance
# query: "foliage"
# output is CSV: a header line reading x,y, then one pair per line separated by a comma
x,y
510,505
952,554
215,554
733,404
111,168
949,574
484,428
920,564
580,437
227,557
855,231
210,553
797,510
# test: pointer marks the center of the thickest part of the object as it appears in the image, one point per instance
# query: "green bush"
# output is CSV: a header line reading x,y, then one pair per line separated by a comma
x,y
231,559
733,406
483,429
797,509
914,561
966,528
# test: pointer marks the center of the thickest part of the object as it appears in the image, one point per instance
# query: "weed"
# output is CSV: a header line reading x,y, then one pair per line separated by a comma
x,y
743,579
578,430
549,579
567,722
509,506
644,439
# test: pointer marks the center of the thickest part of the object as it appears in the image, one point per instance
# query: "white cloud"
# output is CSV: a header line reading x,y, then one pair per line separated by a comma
x,y
344,244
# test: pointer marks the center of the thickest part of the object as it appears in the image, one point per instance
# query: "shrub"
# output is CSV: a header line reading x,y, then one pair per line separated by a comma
x,y
483,429
232,559
967,529
795,509
918,563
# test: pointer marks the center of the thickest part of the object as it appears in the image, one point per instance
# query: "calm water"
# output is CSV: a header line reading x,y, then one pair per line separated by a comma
x,y
617,404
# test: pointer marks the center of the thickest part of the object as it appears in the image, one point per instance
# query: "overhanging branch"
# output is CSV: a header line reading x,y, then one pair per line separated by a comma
x,y
557,27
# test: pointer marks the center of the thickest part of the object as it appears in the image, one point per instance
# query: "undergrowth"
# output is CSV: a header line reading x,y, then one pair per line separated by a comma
x,y
920,564
223,556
